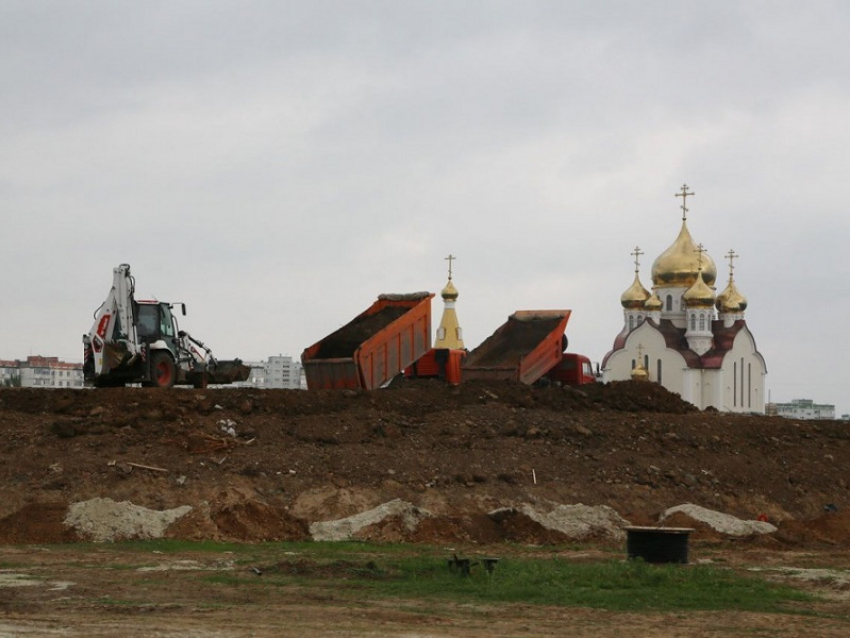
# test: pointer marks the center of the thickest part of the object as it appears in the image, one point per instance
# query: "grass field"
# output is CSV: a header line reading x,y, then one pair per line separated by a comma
x,y
166,588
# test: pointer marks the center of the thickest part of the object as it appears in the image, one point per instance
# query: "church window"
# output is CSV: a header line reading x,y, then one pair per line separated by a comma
x,y
646,362
693,322
749,385
669,303
701,321
631,322
640,319
633,364
742,381
735,383
441,333
658,374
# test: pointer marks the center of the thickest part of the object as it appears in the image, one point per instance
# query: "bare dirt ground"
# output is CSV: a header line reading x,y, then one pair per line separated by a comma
x,y
265,465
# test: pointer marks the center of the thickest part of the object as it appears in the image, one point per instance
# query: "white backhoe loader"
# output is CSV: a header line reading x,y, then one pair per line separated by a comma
x,y
135,341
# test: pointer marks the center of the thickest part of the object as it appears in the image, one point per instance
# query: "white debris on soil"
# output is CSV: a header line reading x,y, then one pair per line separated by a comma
x,y
12,579
345,528
720,522
579,521
104,520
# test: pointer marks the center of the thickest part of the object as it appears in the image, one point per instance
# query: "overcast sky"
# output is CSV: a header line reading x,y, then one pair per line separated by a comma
x,y
277,165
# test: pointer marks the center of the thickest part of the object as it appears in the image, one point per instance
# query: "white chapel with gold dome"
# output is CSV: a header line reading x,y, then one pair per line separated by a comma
x,y
686,337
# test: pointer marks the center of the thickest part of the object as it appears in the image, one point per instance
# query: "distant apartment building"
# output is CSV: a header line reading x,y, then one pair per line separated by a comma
x,y
41,372
9,373
801,409
277,372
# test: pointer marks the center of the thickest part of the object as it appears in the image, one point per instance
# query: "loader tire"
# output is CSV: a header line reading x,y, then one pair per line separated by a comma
x,y
163,372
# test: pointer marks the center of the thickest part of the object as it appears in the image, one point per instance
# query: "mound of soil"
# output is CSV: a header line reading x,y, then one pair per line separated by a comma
x,y
830,529
264,464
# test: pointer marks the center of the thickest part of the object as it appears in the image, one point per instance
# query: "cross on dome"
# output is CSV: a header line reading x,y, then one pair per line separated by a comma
x,y
731,256
637,253
700,249
684,195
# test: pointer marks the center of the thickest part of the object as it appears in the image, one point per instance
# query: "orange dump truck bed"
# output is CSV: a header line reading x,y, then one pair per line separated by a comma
x,y
373,347
523,349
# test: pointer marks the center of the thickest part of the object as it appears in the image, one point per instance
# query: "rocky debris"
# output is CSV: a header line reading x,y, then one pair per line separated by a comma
x,y
102,519
579,522
347,528
725,524
570,522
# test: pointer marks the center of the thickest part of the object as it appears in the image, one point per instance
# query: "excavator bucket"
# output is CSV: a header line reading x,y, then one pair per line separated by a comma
x,y
228,372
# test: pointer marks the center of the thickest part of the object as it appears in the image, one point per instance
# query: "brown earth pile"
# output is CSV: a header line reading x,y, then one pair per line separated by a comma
x,y
263,464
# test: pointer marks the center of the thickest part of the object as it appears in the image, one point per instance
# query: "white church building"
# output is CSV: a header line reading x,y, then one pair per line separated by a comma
x,y
686,337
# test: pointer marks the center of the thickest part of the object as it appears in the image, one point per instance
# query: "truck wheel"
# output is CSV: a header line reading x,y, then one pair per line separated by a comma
x,y
163,373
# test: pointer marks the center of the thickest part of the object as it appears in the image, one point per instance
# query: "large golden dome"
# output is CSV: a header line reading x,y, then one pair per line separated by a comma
x,y
679,265
635,297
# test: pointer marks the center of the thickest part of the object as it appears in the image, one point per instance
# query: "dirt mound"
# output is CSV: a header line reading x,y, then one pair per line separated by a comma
x,y
37,523
477,528
260,464
830,529
246,521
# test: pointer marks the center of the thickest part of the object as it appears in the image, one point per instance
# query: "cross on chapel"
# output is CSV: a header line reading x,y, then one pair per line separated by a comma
x,y
450,258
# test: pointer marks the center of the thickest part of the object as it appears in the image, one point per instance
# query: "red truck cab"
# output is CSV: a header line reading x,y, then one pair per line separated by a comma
x,y
573,369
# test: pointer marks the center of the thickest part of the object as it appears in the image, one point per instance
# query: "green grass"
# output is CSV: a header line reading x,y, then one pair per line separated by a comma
x,y
614,585
352,570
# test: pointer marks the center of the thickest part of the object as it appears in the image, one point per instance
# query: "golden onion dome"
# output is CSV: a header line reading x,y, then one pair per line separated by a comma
x,y
635,296
449,293
654,303
699,295
639,373
679,265
731,300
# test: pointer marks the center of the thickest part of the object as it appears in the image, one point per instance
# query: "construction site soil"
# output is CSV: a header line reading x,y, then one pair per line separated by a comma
x,y
258,465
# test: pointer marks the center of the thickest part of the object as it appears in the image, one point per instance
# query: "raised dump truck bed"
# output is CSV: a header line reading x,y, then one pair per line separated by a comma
x,y
374,347
524,348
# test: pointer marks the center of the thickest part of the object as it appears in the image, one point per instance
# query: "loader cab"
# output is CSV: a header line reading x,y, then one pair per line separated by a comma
x,y
154,321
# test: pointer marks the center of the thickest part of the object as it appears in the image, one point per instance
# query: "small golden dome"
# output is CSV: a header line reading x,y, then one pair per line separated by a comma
x,y
731,300
639,373
679,265
636,295
654,303
699,295
449,293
